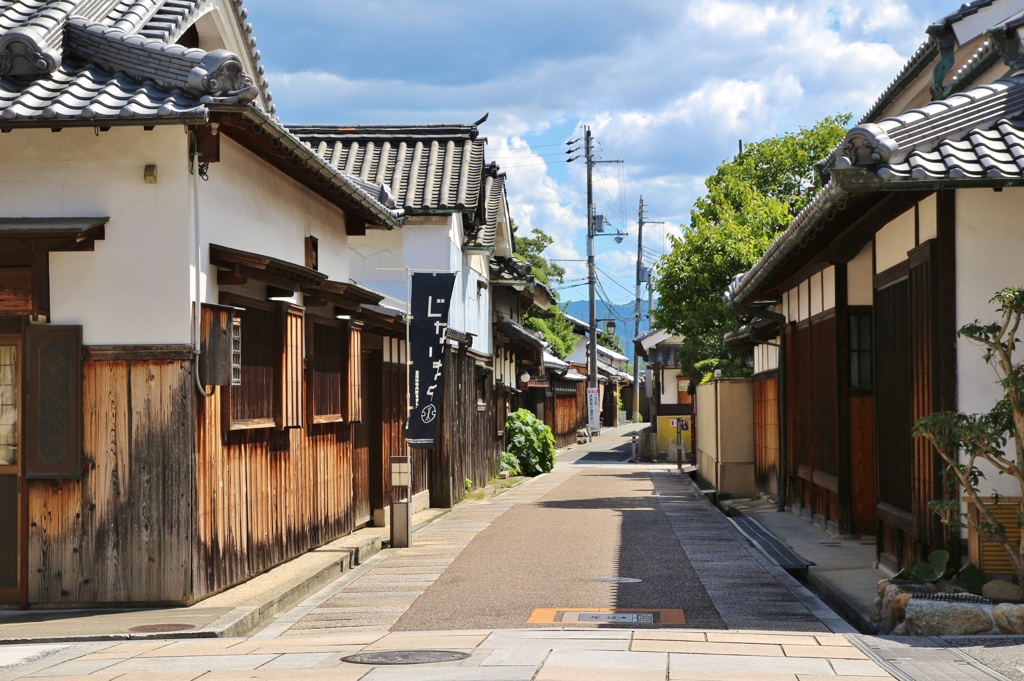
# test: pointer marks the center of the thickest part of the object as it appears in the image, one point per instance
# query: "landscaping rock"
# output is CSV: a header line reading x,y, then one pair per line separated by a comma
x,y
900,630
899,606
888,614
875,611
999,591
883,584
939,618
1009,617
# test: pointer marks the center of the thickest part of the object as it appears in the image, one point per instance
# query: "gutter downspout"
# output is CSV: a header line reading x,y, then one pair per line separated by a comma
x,y
779,319
197,307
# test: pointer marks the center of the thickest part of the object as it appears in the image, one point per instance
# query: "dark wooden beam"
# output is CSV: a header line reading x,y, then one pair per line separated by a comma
x,y
354,225
849,243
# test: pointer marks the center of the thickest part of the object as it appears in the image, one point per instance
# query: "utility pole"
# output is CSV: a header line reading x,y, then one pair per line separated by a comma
x,y
640,222
588,147
588,155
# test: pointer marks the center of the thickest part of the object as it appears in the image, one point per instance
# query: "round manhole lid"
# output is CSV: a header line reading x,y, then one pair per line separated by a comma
x,y
617,580
406,657
161,628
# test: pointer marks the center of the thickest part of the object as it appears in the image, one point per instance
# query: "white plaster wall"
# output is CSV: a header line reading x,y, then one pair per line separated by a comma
x,y
815,284
766,357
859,278
249,205
893,241
669,387
579,352
804,301
828,288
989,249
134,288
927,219
428,243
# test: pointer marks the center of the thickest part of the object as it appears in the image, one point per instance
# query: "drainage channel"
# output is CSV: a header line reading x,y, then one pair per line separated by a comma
x,y
917,658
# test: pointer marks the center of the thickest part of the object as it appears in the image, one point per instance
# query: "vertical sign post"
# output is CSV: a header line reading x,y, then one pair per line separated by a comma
x,y
401,502
594,409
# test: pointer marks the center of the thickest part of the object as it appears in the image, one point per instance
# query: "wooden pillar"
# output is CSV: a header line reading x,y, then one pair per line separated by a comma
x,y
842,359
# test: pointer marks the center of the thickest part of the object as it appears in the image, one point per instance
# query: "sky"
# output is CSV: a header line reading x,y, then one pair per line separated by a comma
x,y
669,87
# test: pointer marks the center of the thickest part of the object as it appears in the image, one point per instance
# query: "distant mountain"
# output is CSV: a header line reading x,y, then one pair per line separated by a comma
x,y
580,309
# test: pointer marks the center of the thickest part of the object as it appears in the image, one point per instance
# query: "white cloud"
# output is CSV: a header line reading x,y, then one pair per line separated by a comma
x,y
668,87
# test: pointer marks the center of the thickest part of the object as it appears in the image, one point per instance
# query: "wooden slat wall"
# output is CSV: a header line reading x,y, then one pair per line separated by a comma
x,y
766,434
927,473
355,375
264,496
468,447
813,417
122,532
990,556
567,420
292,394
894,420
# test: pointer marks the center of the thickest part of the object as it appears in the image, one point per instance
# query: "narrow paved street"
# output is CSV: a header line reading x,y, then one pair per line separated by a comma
x,y
599,570
561,543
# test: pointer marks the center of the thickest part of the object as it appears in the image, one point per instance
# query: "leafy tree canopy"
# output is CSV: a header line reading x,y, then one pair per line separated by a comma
x,y
529,249
611,341
555,327
749,201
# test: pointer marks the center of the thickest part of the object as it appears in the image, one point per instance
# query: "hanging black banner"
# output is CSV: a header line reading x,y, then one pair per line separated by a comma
x,y
431,300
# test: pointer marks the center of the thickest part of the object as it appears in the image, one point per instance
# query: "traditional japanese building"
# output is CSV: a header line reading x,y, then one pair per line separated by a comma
x,y
915,229
190,379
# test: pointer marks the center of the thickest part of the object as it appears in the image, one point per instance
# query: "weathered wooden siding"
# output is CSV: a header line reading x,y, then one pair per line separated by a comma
x,y
766,434
265,496
123,532
468,445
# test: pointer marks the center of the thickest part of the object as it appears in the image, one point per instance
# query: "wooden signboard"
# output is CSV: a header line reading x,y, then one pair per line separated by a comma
x,y
53,402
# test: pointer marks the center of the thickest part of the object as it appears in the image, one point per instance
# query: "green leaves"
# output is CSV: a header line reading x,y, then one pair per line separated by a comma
x,y
750,199
934,569
531,443
555,327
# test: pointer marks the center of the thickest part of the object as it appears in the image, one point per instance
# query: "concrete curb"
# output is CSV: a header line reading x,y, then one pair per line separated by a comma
x,y
241,619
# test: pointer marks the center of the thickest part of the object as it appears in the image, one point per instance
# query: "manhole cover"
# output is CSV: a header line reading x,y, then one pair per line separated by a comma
x,y
161,628
406,657
617,580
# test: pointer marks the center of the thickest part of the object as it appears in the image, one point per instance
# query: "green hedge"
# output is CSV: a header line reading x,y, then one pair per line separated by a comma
x,y
531,444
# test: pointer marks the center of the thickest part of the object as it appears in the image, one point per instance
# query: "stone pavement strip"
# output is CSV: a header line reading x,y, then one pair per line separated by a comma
x,y
374,596
493,655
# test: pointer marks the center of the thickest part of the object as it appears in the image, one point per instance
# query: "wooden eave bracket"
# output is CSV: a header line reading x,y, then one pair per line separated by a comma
x,y
237,267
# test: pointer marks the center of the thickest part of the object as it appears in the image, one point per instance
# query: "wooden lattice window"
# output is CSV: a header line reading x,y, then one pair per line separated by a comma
x,y
328,371
355,374
269,394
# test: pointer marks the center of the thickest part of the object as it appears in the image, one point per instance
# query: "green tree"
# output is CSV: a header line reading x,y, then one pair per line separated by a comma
x,y
555,327
750,200
529,250
611,341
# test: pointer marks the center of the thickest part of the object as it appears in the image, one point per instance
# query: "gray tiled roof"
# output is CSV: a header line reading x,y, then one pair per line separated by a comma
x,y
972,135
428,168
107,59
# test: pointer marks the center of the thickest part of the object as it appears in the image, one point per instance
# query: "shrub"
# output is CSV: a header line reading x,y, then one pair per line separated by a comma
x,y
510,463
530,442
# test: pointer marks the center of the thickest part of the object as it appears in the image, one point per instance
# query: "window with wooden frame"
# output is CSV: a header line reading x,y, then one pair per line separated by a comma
x,y
861,354
270,392
327,362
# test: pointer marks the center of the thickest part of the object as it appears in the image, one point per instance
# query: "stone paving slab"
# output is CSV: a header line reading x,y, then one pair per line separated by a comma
x,y
504,655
